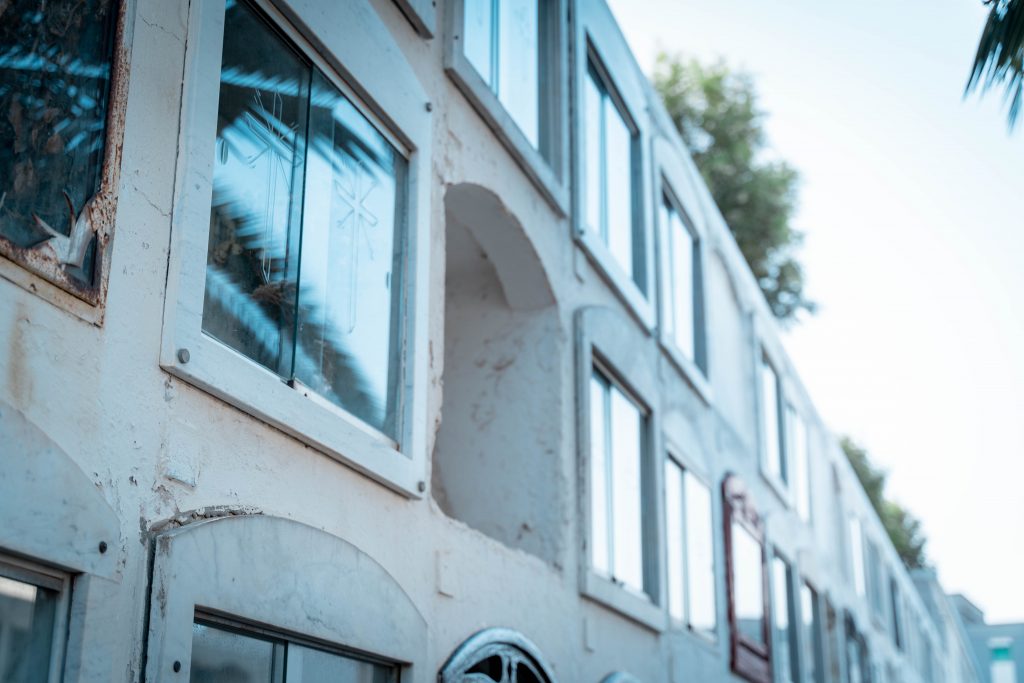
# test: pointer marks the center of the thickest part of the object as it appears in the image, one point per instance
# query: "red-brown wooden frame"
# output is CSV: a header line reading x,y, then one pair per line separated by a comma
x,y
749,659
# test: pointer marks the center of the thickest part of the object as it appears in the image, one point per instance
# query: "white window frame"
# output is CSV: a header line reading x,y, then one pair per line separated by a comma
x,y
599,40
32,573
232,566
547,169
672,181
354,60
607,342
766,353
676,457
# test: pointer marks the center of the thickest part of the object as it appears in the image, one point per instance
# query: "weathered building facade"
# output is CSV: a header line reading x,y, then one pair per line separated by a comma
x,y
368,340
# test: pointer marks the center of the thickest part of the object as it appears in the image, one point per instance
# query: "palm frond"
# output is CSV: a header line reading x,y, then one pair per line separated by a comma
x,y
1000,56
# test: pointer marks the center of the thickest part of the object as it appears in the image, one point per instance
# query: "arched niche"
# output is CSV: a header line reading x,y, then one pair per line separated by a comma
x,y
496,463
620,677
496,655
281,575
52,512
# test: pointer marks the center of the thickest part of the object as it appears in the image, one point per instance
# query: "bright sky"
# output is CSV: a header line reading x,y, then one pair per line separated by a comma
x,y
911,203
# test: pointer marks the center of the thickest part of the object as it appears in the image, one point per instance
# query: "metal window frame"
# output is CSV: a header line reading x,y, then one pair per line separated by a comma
x,y
353,61
38,269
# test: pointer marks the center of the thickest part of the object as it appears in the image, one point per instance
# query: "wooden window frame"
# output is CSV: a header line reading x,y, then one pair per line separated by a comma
x,y
749,659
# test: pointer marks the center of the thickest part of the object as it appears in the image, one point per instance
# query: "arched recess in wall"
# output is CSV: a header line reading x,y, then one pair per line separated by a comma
x,y
497,464
279,575
496,654
620,677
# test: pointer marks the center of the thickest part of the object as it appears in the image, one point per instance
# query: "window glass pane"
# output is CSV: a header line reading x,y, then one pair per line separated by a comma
x,y
700,556
748,588
593,162
306,665
770,419
477,35
54,78
813,658
682,280
667,270
857,556
251,275
598,480
800,457
783,622
348,349
626,503
674,532
219,656
518,77
27,615
619,186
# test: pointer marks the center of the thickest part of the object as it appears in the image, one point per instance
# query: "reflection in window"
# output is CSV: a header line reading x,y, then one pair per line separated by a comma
x,y
616,445
748,584
784,611
28,614
691,578
301,176
874,564
680,281
813,660
771,422
54,75
800,457
608,168
225,654
502,40
896,612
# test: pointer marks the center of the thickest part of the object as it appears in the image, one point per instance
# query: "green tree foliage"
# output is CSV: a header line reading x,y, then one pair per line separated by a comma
x,y
715,110
1000,56
903,528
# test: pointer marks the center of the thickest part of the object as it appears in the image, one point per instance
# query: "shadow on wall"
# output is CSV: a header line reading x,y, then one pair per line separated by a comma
x,y
497,460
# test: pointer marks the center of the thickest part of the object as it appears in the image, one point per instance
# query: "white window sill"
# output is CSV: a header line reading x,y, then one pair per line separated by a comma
x,y
624,287
690,371
625,601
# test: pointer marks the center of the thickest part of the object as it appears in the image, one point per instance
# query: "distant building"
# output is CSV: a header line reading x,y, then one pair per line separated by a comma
x,y
357,340
999,648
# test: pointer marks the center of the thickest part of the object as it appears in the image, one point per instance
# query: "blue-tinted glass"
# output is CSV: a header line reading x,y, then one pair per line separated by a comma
x,y
250,301
518,75
27,615
348,346
478,36
54,76
221,656
748,586
306,665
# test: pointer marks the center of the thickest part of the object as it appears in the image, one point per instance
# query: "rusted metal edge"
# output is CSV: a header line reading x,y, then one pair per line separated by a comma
x,y
47,259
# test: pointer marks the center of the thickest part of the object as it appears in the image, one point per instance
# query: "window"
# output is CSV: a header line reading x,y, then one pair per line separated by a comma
x,y
303,177
747,579
33,611
496,654
813,659
1002,667
617,444
772,423
502,42
681,283
800,457
786,651
293,285
858,659
56,165
224,651
691,571
609,150
896,614
857,556
874,575
508,58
